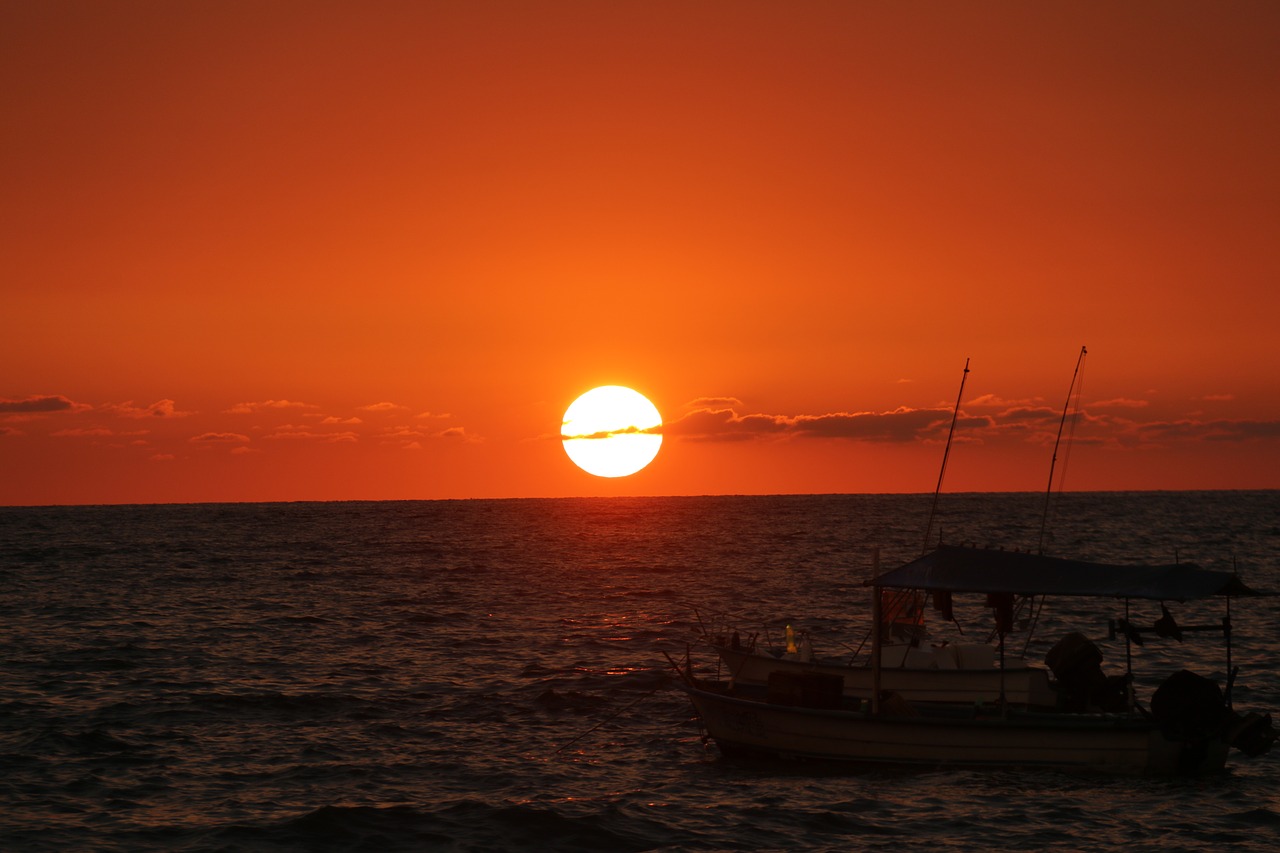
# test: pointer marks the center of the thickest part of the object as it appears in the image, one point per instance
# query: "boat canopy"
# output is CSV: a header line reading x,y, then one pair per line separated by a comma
x,y
982,570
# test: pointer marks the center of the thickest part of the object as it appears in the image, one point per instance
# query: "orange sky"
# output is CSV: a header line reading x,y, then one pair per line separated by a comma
x,y
293,251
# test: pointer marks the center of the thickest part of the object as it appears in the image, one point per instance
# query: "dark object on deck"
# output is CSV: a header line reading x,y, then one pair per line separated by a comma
x,y
1076,662
805,689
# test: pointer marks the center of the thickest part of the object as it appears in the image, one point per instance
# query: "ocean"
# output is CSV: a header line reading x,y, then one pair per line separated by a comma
x,y
490,675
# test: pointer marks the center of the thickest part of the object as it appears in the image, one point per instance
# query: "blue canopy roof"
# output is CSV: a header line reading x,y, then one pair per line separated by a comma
x,y
962,569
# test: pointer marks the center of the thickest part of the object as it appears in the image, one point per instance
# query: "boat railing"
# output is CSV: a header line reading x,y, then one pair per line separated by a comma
x,y
734,630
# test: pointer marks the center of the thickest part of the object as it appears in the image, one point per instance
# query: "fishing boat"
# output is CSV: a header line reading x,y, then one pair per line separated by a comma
x,y
915,664
1093,721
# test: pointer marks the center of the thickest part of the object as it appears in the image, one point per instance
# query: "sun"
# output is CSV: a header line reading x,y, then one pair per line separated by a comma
x,y
611,431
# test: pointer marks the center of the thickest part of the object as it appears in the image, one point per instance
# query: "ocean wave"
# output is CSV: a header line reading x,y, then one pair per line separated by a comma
x,y
468,825
89,742
275,703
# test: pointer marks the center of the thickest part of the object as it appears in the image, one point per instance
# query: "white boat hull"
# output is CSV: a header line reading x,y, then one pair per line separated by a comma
x,y
939,736
1021,684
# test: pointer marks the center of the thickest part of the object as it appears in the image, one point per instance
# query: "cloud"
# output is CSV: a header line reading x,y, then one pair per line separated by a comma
x,y
28,405
383,407
1119,403
1027,415
303,434
715,403
219,438
84,432
1024,421
725,424
411,439
267,405
163,457
1218,398
1107,429
721,424
335,420
401,432
1214,430
610,433
4,430
996,402
158,409
902,424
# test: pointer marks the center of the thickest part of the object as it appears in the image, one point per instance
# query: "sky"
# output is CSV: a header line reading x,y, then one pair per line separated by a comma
x,y
329,251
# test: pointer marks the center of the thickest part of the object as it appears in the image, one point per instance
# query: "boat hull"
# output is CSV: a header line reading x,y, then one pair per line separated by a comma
x,y
935,736
1021,684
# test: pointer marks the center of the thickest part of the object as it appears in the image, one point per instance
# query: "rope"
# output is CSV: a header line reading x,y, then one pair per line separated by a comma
x,y
608,719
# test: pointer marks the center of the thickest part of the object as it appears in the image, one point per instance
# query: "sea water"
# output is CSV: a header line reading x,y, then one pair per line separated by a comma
x,y
492,675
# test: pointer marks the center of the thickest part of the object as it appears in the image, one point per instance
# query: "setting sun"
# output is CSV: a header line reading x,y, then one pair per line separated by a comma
x,y
608,431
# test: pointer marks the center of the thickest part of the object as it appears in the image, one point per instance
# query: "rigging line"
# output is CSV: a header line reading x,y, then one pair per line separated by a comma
x,y
1071,431
1044,519
609,719
928,529
1036,609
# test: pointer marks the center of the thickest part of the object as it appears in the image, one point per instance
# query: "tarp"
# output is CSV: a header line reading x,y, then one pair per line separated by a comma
x,y
962,569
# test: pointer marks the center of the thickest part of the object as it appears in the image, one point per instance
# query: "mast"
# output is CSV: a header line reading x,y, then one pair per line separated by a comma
x,y
928,528
1044,519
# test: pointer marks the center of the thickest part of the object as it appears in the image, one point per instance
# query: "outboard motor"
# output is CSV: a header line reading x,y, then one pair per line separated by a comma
x,y
1252,733
1076,662
1188,706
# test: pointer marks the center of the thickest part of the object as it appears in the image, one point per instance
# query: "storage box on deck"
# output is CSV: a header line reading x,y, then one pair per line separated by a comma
x,y
975,655
805,689
907,657
966,656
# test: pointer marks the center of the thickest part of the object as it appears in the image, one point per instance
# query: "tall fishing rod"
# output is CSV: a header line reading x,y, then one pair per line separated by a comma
x,y
928,528
901,600
1044,519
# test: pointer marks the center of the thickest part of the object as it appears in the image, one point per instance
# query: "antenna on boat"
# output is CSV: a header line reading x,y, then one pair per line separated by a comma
x,y
928,528
1071,391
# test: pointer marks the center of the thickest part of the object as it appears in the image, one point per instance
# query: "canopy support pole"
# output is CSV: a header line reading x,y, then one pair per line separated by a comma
x,y
1128,661
1226,632
1004,702
876,649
